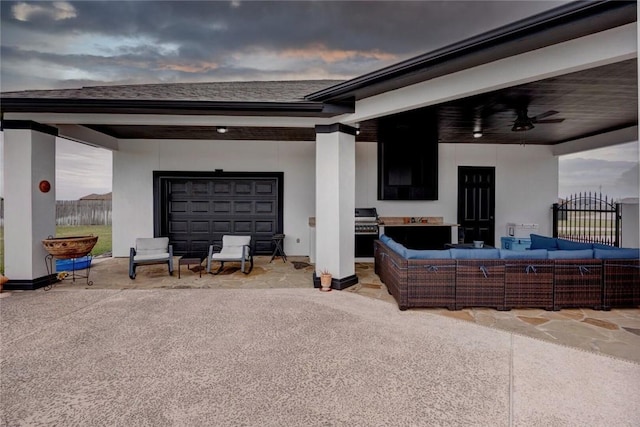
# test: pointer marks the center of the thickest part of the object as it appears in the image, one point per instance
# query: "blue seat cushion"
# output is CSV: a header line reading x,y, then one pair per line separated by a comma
x,y
530,254
457,253
428,254
569,245
577,254
617,253
543,242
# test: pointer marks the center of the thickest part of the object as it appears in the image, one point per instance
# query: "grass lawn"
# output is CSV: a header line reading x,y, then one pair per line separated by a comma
x,y
102,231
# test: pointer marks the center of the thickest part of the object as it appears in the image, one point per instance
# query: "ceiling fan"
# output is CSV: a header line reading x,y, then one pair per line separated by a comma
x,y
524,122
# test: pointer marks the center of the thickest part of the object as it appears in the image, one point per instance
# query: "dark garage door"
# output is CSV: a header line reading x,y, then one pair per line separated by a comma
x,y
196,211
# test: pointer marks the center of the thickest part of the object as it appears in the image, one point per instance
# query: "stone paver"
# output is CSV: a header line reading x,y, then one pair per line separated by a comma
x,y
615,333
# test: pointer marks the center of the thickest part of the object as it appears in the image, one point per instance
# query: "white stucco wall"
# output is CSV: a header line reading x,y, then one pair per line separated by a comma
x,y
134,163
526,182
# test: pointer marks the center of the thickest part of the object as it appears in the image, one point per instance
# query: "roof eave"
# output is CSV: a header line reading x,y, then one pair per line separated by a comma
x,y
165,107
545,21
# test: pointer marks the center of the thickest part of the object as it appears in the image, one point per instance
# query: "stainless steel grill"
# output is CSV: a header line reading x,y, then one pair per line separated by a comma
x,y
366,231
366,221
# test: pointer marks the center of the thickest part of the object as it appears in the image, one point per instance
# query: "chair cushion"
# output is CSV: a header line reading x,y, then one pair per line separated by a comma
x,y
603,246
543,242
569,245
577,254
617,253
233,248
529,254
384,238
457,253
229,241
152,246
427,254
231,253
397,247
152,257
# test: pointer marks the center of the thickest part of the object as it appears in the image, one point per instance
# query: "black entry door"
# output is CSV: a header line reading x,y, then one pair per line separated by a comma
x,y
196,211
476,203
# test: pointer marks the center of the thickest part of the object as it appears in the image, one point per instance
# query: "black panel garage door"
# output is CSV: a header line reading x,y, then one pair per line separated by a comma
x,y
196,209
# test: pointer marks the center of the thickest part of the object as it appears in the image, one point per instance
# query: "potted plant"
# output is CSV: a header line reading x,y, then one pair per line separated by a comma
x,y
325,280
3,280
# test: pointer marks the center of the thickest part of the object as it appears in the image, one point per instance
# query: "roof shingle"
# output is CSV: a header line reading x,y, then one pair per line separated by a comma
x,y
253,91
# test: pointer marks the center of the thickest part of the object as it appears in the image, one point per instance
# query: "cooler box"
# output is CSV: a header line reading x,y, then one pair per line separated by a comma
x,y
521,230
515,243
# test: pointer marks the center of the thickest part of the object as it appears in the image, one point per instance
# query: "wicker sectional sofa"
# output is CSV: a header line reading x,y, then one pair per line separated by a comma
x,y
548,278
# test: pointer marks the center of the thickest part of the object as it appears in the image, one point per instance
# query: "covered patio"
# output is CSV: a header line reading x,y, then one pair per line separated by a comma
x,y
322,138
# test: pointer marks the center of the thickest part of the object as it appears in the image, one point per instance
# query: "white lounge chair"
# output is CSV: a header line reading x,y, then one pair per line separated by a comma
x,y
154,250
233,249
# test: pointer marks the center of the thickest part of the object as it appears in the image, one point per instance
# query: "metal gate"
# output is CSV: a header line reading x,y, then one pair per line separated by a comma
x,y
588,218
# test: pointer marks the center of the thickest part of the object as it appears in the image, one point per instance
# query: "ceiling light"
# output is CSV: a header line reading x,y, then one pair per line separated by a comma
x,y
477,134
222,129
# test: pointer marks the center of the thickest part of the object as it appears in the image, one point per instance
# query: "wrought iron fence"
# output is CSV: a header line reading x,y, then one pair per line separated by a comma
x,y
588,218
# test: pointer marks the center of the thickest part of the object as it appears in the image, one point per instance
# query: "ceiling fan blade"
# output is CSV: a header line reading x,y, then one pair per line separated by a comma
x,y
543,115
550,121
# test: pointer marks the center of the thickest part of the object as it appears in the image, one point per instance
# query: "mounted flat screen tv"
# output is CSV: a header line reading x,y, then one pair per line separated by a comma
x,y
408,156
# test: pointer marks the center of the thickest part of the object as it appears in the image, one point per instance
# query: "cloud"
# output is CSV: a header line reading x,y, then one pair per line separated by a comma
x,y
616,179
57,10
162,41
81,170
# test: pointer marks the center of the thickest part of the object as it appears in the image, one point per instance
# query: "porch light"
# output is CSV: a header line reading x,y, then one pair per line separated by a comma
x,y
222,129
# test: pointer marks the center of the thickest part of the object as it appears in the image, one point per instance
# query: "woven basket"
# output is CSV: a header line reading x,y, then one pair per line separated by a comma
x,y
69,247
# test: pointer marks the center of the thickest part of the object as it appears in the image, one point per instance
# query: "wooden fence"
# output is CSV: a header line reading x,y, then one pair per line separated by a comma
x,y
77,212
83,212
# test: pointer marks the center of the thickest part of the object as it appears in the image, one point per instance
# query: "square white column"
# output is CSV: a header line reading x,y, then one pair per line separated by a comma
x,y
29,212
335,203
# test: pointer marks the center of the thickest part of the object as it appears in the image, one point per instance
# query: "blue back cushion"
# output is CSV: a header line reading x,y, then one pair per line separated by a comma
x,y
397,247
475,253
530,254
543,242
384,238
617,253
568,245
428,254
602,246
575,254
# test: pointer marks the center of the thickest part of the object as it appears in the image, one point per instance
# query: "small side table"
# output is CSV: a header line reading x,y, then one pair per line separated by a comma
x,y
189,259
278,250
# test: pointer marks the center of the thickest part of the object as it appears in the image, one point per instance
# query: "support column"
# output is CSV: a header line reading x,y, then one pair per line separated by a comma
x,y
29,211
335,204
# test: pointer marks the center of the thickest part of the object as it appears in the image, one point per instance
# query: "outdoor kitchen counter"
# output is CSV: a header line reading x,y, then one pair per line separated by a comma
x,y
419,224
433,233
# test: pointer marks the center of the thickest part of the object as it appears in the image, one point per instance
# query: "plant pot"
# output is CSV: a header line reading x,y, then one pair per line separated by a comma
x,y
325,282
3,280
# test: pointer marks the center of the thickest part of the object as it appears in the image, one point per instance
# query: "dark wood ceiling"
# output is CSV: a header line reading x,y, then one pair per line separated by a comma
x,y
590,102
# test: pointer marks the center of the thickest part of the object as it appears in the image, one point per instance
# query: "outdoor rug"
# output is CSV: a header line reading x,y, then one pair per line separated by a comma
x,y
287,357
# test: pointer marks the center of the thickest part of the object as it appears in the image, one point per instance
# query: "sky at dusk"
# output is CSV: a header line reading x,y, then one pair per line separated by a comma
x,y
69,44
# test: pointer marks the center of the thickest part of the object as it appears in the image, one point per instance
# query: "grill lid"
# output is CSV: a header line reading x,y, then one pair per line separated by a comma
x,y
366,213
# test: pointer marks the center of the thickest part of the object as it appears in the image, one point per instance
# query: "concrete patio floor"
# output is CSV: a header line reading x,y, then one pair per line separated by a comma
x,y
197,354
614,333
